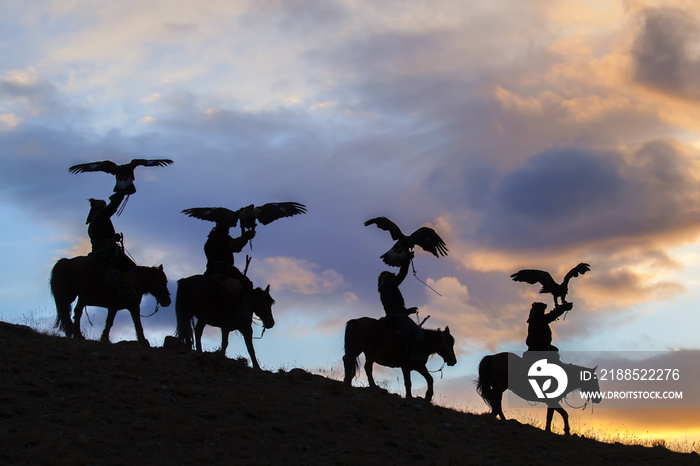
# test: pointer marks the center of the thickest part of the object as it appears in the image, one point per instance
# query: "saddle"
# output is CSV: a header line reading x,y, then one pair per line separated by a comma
x,y
227,287
122,281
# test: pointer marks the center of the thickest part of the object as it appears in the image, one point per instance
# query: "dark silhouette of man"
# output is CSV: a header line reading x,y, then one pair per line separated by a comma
x,y
539,335
106,247
219,249
397,316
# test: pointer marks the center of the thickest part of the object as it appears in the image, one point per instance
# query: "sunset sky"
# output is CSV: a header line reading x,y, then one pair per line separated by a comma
x,y
531,134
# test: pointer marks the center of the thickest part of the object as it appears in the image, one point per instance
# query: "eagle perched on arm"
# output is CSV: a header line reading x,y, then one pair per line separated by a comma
x,y
247,216
401,252
548,284
123,173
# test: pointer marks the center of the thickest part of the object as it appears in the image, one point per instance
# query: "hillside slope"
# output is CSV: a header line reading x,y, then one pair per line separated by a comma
x,y
86,403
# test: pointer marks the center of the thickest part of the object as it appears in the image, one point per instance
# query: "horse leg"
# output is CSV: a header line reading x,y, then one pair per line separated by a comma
x,y
350,363
369,363
498,406
198,330
136,317
428,379
564,416
495,400
111,314
407,381
248,338
224,341
77,314
550,416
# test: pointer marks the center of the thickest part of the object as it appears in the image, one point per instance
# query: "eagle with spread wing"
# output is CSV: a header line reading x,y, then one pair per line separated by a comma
x,y
123,173
247,216
557,290
401,252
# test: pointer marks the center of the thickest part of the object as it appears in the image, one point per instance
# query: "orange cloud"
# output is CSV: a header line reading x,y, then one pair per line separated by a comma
x,y
298,275
474,329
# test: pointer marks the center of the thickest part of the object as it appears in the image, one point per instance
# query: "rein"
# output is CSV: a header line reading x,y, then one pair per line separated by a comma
x,y
152,313
588,400
254,319
439,370
261,334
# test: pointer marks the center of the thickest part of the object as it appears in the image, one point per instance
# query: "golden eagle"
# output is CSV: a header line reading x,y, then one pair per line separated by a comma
x,y
548,284
401,252
247,216
123,173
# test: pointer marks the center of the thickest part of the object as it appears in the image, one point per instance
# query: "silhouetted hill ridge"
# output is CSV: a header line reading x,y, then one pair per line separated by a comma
x,y
88,403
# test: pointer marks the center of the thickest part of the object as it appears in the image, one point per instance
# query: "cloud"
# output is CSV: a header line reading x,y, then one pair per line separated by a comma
x,y
28,94
152,98
665,52
618,209
81,248
10,120
574,198
297,275
475,329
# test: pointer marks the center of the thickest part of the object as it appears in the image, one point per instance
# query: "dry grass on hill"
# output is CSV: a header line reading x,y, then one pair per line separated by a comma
x,y
87,403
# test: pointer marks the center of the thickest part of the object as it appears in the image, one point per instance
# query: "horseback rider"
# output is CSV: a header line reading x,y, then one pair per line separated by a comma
x,y
539,335
106,243
219,249
397,316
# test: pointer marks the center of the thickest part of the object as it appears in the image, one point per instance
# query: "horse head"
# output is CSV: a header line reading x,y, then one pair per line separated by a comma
x,y
262,306
447,347
591,385
158,286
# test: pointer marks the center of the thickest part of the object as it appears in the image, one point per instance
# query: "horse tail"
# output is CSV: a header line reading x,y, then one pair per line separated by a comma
x,y
484,383
352,351
63,295
184,313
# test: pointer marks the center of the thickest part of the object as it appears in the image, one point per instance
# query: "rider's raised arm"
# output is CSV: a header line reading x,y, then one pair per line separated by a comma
x,y
237,244
555,313
114,201
403,272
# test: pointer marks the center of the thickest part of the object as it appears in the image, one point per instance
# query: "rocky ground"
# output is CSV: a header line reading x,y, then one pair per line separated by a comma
x,y
87,403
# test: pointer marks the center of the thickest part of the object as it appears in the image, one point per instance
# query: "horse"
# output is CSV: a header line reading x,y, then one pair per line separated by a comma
x,y
84,278
376,340
493,381
206,299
